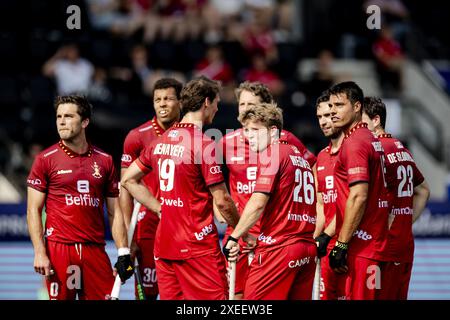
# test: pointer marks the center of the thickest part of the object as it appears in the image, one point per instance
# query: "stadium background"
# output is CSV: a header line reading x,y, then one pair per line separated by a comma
x,y
298,48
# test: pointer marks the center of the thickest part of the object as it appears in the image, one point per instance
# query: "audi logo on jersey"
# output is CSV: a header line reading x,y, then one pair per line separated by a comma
x,y
215,169
126,158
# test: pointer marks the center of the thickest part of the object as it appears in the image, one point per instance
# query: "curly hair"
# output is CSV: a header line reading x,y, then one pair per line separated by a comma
x,y
257,88
269,114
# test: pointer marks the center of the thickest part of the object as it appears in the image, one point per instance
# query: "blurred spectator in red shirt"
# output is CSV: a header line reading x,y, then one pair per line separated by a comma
x,y
260,72
214,66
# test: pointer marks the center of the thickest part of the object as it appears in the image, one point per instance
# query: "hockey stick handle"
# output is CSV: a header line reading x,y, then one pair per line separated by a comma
x,y
115,292
232,288
316,286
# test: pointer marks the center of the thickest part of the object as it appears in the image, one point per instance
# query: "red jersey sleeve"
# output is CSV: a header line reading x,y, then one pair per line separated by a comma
x,y
306,154
356,157
38,179
112,183
268,176
418,177
144,161
210,167
131,150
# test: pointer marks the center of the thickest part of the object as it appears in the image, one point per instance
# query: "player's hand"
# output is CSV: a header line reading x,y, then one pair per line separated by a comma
x,y
124,267
250,243
42,265
338,257
231,249
322,244
135,251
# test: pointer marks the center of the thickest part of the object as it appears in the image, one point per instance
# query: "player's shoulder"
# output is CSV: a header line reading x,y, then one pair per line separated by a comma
x,y
323,153
233,134
140,129
49,152
97,152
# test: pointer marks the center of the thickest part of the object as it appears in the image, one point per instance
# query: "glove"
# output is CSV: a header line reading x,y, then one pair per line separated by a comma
x,y
124,267
322,243
338,256
226,251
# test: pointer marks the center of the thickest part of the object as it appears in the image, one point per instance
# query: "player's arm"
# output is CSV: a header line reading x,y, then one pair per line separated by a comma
x,y
217,214
35,203
354,210
132,182
320,216
116,222
123,266
252,211
126,202
421,196
224,204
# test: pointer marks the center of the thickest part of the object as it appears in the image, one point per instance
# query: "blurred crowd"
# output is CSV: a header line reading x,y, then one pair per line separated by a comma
x,y
124,46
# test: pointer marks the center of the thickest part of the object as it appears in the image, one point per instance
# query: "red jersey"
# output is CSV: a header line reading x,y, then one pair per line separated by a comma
x,y
76,186
326,184
135,142
242,165
290,214
361,159
404,176
185,160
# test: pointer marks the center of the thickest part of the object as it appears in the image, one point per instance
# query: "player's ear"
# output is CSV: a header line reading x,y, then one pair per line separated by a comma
x,y
85,123
376,121
274,132
357,106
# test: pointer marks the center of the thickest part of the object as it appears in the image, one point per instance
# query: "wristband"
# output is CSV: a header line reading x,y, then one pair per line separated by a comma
x,y
232,239
342,245
123,251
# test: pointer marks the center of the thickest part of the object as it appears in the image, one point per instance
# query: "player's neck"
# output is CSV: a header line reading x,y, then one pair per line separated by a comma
x,y
165,126
352,124
336,142
78,144
194,118
379,131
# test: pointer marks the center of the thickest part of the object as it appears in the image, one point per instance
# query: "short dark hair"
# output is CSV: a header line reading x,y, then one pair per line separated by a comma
x,y
166,83
324,97
196,91
374,106
257,88
351,89
84,107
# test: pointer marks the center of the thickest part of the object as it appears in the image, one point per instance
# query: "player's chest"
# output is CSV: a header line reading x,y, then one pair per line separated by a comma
x,y
78,173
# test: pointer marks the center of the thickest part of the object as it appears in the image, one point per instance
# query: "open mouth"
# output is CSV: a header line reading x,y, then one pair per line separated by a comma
x,y
163,112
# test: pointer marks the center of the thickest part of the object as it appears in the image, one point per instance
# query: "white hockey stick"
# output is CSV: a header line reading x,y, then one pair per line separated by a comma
x,y
115,292
316,285
232,280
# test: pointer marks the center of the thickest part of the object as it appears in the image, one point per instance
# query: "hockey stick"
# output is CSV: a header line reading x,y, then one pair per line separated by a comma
x,y
232,280
139,282
115,292
316,286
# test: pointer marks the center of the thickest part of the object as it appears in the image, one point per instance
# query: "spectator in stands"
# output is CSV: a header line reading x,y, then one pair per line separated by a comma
x,y
390,60
214,66
121,17
72,73
260,72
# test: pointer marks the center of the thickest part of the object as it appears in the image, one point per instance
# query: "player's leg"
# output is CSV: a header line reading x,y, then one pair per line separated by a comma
x,y
98,278
395,278
168,284
364,278
242,268
58,286
147,268
272,273
304,255
203,278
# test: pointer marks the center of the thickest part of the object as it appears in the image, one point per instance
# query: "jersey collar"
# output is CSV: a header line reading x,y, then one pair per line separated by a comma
x,y
158,129
186,125
384,135
73,154
356,127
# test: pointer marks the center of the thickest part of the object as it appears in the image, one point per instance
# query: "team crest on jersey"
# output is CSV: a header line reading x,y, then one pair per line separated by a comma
x,y
173,134
96,173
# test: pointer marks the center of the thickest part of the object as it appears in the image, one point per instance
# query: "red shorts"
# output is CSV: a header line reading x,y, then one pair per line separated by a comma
x,y
242,268
147,268
363,281
332,284
200,278
395,279
83,269
283,273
